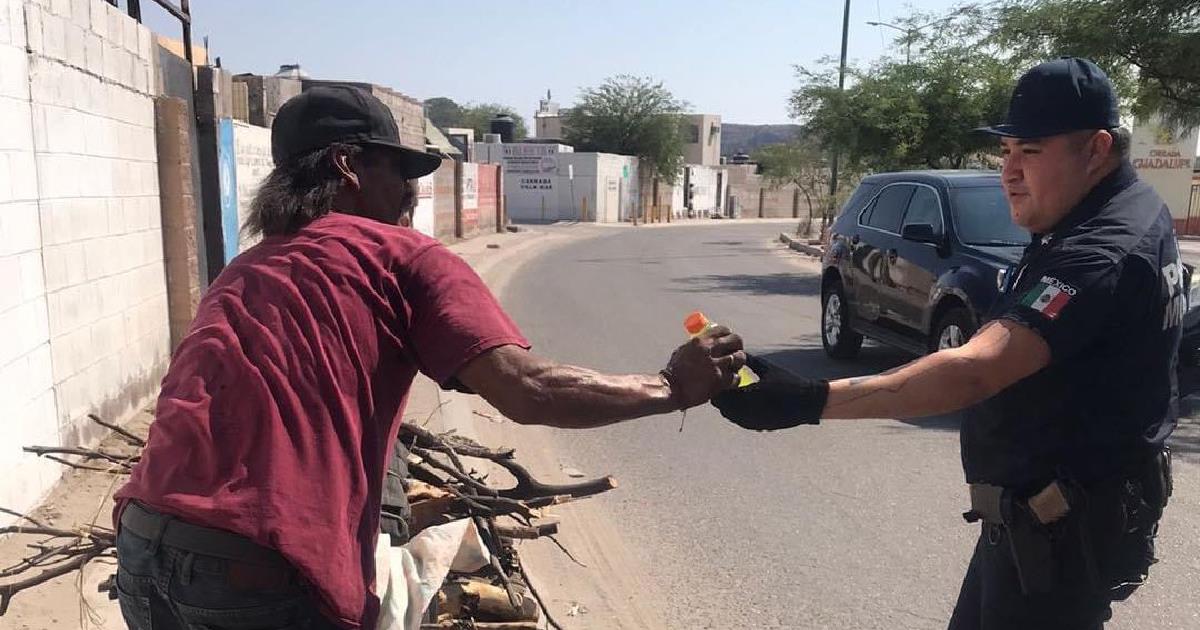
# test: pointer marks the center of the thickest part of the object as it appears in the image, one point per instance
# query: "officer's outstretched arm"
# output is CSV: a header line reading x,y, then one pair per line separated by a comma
x,y
1000,354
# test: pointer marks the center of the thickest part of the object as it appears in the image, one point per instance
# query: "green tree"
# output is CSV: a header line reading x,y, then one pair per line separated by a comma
x,y
898,113
478,116
631,116
1151,48
801,162
443,112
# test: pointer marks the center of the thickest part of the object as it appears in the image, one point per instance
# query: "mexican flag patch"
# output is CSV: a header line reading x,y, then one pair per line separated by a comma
x,y
1049,296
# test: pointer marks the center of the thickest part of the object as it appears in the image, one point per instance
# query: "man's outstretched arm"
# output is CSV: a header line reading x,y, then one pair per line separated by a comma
x,y
534,390
999,355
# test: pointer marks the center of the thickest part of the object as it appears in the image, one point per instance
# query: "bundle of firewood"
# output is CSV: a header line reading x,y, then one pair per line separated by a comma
x,y
442,488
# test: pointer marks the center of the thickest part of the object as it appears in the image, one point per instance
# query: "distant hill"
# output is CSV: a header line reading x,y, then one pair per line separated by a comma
x,y
747,138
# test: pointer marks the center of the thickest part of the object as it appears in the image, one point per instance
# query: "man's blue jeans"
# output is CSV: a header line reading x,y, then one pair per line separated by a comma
x,y
165,588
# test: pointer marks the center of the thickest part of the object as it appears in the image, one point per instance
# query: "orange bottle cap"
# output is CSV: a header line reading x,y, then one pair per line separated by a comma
x,y
695,323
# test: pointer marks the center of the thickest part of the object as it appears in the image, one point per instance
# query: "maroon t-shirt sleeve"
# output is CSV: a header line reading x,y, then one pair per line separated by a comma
x,y
454,317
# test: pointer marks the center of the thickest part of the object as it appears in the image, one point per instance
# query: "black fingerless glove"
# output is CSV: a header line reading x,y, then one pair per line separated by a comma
x,y
778,401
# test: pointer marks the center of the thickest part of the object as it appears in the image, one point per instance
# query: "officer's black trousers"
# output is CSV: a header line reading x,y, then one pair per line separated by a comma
x,y
991,597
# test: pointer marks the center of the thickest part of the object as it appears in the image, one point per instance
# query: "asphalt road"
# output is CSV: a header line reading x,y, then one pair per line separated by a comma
x,y
851,524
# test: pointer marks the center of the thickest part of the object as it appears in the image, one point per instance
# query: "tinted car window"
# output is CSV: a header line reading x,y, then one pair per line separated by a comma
x,y
983,218
888,209
861,196
924,208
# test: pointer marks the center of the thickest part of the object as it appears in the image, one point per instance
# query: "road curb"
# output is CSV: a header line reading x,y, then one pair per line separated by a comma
x,y
800,246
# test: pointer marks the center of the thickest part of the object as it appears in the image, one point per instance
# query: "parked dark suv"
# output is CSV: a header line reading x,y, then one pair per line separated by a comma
x,y
915,259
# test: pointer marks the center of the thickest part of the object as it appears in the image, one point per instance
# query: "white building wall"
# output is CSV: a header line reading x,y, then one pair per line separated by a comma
x,y
1165,160
601,185
80,231
27,401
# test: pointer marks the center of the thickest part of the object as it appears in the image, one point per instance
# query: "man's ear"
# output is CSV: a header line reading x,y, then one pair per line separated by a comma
x,y
343,162
1101,149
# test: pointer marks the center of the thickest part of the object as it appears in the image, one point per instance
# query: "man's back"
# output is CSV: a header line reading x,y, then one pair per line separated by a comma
x,y
281,404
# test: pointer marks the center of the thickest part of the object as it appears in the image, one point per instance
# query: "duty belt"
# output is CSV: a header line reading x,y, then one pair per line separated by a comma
x,y
988,504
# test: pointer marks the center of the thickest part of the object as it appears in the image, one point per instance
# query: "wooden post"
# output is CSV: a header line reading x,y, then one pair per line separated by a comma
x,y
458,199
762,196
583,211
796,204
501,201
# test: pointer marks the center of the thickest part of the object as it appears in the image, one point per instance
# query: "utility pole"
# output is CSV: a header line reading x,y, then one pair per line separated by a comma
x,y
833,168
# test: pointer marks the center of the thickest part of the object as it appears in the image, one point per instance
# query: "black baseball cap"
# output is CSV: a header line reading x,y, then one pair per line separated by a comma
x,y
1060,96
325,114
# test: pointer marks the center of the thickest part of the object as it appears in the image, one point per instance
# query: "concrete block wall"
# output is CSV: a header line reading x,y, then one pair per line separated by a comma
x,y
80,229
445,202
177,193
27,403
489,197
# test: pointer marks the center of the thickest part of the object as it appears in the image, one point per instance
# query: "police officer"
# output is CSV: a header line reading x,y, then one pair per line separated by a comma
x,y
1069,390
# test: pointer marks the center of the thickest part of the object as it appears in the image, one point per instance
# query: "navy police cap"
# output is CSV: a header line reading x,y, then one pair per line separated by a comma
x,y
1059,96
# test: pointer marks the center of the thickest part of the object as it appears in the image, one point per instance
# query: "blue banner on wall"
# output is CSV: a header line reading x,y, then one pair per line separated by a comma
x,y
228,170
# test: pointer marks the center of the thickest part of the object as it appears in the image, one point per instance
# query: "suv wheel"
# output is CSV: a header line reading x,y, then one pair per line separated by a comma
x,y
953,329
839,340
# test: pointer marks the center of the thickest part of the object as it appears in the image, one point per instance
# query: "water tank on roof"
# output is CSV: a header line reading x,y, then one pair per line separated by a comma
x,y
504,125
291,71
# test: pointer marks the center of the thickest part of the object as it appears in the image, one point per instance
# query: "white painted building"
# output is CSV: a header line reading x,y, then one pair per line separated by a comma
x,y
551,182
699,191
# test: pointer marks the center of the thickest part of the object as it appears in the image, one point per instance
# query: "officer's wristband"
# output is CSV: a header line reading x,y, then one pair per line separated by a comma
x,y
812,397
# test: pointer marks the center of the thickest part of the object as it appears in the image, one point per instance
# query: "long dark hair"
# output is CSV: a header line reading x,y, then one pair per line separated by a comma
x,y
297,192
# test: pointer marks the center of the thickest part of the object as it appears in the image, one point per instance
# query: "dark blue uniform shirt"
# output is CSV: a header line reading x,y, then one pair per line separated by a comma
x,y
1105,290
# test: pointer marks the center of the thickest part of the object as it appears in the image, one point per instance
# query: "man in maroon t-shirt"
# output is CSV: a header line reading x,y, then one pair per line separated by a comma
x,y
257,500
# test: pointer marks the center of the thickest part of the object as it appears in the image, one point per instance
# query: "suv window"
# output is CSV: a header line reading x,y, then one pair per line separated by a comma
x,y
861,196
887,211
924,208
982,217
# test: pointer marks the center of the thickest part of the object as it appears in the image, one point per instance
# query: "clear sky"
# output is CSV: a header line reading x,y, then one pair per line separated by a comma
x,y
723,57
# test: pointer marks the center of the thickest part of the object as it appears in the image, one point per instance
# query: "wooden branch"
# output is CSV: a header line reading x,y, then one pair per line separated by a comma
x,y
526,532
24,517
38,558
130,438
461,445
86,453
537,596
71,464
529,488
476,598
462,477
493,546
424,474
566,551
481,625
97,534
7,591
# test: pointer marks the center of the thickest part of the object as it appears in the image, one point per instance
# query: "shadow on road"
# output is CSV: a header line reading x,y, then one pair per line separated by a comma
x,y
783,283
